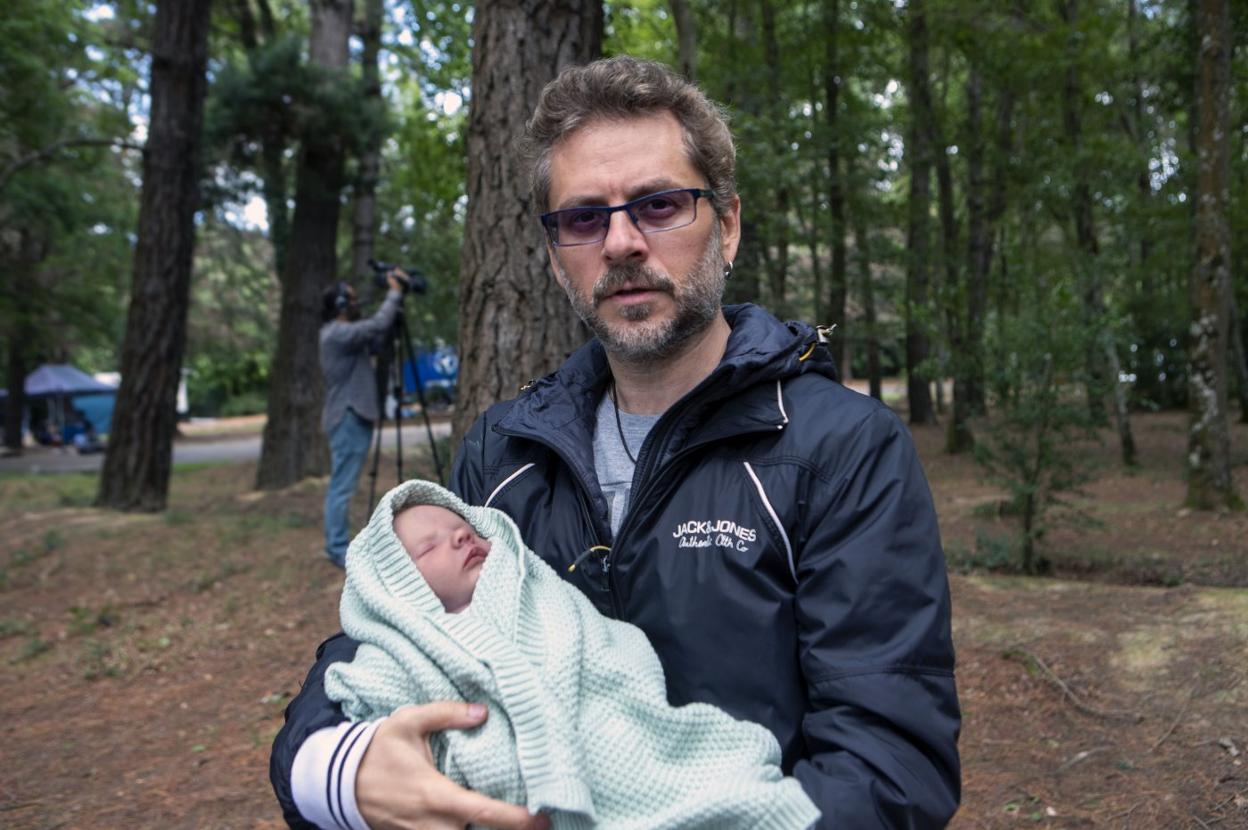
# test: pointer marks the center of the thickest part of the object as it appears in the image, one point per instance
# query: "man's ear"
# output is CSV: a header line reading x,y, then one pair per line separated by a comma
x,y
730,229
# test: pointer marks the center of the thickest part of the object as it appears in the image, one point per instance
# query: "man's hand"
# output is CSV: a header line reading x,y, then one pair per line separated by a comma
x,y
397,279
397,786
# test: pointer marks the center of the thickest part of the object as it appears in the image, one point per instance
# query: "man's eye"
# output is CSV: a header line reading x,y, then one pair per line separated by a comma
x,y
581,220
658,208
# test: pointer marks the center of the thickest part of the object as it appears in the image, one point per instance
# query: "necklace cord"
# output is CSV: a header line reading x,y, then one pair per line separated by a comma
x,y
619,427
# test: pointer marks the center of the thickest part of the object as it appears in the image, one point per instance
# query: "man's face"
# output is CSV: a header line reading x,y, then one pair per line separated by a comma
x,y
353,305
445,549
643,295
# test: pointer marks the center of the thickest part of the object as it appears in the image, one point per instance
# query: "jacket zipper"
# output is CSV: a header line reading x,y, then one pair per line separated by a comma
x,y
587,515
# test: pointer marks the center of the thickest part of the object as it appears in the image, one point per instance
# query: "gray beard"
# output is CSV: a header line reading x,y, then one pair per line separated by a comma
x,y
697,300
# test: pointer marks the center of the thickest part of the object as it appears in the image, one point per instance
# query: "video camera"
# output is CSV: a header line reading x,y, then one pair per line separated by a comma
x,y
413,283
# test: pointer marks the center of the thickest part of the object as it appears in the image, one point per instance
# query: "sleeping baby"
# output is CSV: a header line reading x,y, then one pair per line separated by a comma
x,y
448,604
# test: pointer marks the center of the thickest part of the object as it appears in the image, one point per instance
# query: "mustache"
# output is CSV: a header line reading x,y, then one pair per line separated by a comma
x,y
632,275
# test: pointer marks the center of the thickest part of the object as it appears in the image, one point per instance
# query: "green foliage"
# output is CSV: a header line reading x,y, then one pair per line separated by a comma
x,y
235,302
421,199
1032,445
66,207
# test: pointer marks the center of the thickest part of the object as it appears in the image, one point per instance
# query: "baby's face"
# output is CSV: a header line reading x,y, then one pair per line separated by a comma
x,y
447,552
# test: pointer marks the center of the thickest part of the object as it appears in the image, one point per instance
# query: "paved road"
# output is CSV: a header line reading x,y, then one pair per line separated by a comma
x,y
222,450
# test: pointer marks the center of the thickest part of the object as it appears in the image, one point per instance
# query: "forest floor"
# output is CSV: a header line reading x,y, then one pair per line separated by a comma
x,y
146,659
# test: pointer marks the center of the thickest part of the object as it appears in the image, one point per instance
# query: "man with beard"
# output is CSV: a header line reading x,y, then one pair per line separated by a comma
x,y
698,471
347,344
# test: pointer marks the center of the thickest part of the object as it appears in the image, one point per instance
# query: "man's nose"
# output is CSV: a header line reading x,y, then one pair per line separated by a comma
x,y
624,240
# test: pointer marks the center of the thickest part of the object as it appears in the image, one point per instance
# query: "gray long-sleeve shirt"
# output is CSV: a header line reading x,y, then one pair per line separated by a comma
x,y
345,362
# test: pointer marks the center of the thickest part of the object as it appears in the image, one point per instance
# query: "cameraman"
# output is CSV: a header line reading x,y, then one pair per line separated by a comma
x,y
347,342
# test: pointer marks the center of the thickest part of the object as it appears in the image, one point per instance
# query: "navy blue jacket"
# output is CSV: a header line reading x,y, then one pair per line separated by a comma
x,y
780,551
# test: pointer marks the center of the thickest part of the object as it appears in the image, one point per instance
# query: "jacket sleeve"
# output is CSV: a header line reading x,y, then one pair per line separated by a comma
x,y
873,614
309,711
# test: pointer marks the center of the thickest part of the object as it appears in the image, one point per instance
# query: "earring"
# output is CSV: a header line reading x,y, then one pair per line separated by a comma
x,y
727,270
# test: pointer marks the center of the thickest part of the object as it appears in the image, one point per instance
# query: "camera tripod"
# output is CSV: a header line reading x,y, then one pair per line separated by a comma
x,y
396,352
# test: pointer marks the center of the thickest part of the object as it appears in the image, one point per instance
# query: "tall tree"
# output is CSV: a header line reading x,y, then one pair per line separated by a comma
x,y
833,79
1104,368
515,323
686,38
263,98
965,314
918,232
364,218
1209,482
776,249
140,451
294,446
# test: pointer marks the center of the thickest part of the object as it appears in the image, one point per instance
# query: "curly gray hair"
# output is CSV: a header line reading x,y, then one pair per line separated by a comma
x,y
625,87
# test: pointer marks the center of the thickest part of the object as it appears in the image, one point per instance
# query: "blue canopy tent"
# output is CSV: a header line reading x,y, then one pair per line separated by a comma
x,y
67,388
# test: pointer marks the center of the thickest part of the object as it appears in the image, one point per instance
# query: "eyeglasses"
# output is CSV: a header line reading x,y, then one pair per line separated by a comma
x,y
658,212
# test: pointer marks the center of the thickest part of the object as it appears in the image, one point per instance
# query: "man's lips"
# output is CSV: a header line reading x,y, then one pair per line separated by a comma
x,y
633,293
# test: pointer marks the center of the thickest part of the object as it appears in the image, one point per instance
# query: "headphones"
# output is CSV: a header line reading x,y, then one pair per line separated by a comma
x,y
342,298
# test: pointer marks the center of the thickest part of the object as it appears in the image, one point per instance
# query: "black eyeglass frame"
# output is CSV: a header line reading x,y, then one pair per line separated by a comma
x,y
551,223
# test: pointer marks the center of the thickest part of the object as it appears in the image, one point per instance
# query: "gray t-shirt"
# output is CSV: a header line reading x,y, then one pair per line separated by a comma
x,y
611,462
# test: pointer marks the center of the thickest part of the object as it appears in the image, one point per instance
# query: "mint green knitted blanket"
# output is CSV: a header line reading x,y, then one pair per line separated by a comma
x,y
579,725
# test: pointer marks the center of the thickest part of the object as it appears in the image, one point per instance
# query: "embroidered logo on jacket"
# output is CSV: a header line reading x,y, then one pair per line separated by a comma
x,y
720,533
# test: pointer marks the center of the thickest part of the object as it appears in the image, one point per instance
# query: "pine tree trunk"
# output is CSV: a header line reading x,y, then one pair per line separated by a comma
x,y
21,336
515,322
741,87
1209,482
776,254
862,247
15,404
918,233
968,395
364,219
981,269
137,465
1103,365
1239,360
958,434
838,289
294,446
686,38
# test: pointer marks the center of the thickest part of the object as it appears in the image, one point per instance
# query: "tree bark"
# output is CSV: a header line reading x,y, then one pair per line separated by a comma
x,y
1239,360
918,230
1103,366
743,93
967,322
294,446
18,367
838,287
137,465
515,322
1209,482
364,219
1135,130
776,251
686,38
862,249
